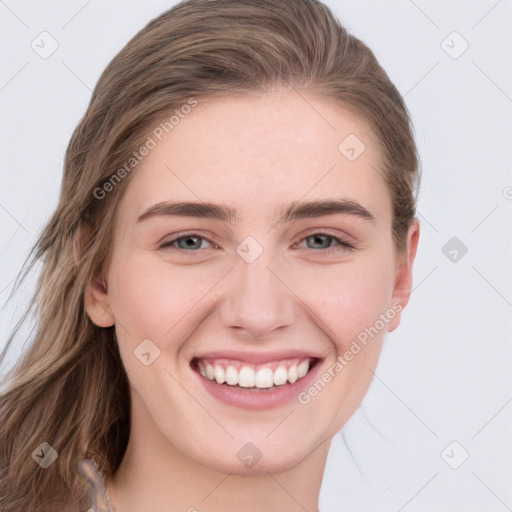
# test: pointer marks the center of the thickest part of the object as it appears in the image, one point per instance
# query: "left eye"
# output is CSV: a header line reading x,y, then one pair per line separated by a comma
x,y
338,241
192,242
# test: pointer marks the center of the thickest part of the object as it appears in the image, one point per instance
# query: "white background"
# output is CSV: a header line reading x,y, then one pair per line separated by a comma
x,y
445,374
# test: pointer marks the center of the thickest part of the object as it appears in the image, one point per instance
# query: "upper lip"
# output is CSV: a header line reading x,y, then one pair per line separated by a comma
x,y
256,357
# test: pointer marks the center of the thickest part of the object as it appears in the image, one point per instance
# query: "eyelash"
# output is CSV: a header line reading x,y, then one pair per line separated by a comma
x,y
346,245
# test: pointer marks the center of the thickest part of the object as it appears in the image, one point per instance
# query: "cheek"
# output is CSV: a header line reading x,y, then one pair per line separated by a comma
x,y
151,298
137,297
351,300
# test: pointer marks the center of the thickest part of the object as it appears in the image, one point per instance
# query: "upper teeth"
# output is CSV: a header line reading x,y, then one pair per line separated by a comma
x,y
247,376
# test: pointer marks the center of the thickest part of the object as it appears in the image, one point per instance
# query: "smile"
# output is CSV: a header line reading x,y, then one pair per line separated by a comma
x,y
255,381
267,375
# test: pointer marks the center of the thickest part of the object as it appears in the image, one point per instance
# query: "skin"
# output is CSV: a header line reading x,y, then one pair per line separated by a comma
x,y
255,154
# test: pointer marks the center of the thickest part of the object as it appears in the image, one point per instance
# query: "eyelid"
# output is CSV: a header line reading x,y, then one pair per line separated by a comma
x,y
163,243
344,237
339,239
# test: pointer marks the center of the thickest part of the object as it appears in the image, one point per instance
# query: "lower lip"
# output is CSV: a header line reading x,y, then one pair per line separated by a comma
x,y
258,400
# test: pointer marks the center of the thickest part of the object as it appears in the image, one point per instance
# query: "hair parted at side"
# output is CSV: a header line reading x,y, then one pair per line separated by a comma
x,y
70,388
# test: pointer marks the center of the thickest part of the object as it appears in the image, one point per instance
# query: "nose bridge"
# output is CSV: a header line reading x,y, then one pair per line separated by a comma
x,y
257,300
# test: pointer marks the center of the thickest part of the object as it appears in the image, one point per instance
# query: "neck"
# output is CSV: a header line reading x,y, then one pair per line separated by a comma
x,y
155,476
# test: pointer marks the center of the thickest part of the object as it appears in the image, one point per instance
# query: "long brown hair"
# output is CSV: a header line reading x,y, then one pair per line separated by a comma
x,y
70,388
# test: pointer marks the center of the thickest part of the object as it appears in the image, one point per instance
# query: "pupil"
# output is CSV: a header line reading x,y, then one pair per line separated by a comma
x,y
319,237
188,239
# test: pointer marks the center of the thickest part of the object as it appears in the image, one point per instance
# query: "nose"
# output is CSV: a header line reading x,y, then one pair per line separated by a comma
x,y
258,299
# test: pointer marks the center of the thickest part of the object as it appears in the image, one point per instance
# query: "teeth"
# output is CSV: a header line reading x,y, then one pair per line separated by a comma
x,y
302,369
280,376
219,374
264,378
247,377
231,376
292,374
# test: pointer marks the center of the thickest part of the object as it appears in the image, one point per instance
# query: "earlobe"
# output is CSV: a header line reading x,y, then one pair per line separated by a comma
x,y
97,304
403,277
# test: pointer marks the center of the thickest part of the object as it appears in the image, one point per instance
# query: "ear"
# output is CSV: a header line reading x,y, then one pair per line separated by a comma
x,y
97,303
95,298
403,276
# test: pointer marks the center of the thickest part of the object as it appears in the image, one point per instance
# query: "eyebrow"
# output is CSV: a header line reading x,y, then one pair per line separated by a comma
x,y
294,211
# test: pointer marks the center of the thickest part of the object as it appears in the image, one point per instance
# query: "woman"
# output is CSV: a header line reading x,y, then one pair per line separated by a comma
x,y
235,235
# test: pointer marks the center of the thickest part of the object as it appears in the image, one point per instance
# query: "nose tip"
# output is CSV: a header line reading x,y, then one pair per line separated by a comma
x,y
257,301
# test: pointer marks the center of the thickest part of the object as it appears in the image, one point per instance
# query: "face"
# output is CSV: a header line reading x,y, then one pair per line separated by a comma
x,y
293,271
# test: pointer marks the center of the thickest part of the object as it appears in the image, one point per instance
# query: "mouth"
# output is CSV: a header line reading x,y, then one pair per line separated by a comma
x,y
254,377
255,386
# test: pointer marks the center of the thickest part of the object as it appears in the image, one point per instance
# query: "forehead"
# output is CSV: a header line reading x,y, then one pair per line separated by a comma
x,y
260,152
